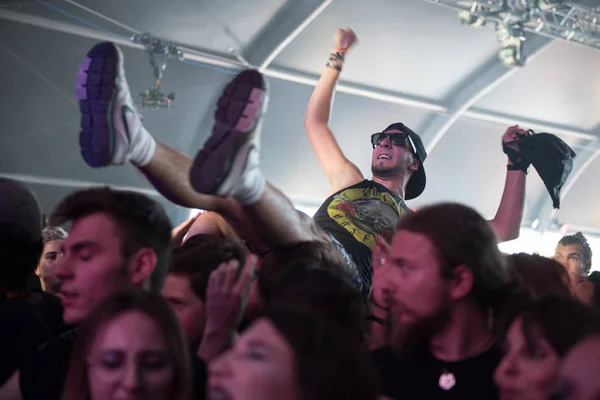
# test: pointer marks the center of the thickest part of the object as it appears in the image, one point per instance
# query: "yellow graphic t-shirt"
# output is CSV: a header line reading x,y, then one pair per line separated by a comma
x,y
354,215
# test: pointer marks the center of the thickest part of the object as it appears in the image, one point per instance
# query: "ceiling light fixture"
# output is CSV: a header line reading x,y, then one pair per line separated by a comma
x,y
160,52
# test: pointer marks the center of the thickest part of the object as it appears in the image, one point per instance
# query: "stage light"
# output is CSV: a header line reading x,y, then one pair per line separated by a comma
x,y
511,56
511,37
160,51
472,21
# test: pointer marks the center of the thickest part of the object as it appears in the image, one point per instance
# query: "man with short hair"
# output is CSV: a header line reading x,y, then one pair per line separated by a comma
x,y
187,280
118,240
575,255
439,289
53,238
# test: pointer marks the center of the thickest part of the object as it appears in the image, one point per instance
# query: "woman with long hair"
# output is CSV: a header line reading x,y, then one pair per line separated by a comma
x,y
539,334
131,347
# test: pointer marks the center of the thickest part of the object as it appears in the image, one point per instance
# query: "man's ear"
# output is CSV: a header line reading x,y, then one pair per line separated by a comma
x,y
587,266
461,282
415,164
141,265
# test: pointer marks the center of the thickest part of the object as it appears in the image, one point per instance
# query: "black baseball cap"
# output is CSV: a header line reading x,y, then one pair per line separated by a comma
x,y
417,182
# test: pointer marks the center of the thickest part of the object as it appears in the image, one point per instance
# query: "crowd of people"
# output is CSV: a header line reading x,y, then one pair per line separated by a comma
x,y
254,300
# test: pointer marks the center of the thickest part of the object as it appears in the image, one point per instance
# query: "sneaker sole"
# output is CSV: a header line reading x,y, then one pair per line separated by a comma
x,y
96,90
224,155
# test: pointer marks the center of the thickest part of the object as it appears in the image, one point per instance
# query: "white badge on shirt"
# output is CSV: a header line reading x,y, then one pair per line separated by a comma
x,y
447,380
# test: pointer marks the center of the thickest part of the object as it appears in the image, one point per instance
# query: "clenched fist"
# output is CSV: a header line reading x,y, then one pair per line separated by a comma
x,y
344,39
511,138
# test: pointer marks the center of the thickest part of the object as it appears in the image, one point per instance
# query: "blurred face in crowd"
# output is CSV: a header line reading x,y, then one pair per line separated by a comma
x,y
529,367
579,372
92,267
129,359
189,309
48,260
260,366
571,257
417,293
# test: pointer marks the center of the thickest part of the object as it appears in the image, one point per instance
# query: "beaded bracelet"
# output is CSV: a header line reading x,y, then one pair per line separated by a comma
x,y
332,65
336,56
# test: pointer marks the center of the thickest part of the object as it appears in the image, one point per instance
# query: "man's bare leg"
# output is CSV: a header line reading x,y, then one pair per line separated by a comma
x,y
168,171
279,222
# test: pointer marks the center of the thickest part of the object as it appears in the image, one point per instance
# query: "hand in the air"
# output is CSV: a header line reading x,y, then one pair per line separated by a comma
x,y
226,300
344,39
511,135
227,297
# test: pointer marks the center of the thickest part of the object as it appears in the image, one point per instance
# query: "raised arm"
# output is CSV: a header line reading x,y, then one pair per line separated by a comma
x,y
507,222
339,170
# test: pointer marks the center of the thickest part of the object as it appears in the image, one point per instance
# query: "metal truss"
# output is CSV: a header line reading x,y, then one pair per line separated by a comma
x,y
567,21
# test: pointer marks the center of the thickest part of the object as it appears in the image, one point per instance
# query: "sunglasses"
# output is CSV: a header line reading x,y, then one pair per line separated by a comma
x,y
397,139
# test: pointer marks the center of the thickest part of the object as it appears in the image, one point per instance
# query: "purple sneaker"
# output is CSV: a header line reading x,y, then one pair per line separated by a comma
x,y
230,152
111,129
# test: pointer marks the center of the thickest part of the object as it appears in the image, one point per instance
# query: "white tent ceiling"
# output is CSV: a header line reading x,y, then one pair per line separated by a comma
x,y
415,63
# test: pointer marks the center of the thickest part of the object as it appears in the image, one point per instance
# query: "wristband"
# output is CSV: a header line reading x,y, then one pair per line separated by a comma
x,y
519,163
335,66
336,56
518,167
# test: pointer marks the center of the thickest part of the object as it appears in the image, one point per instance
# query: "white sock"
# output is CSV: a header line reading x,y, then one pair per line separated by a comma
x,y
142,147
253,183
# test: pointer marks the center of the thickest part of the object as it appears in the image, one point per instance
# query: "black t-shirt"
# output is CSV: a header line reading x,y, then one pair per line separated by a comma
x,y
424,377
43,376
354,215
28,319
